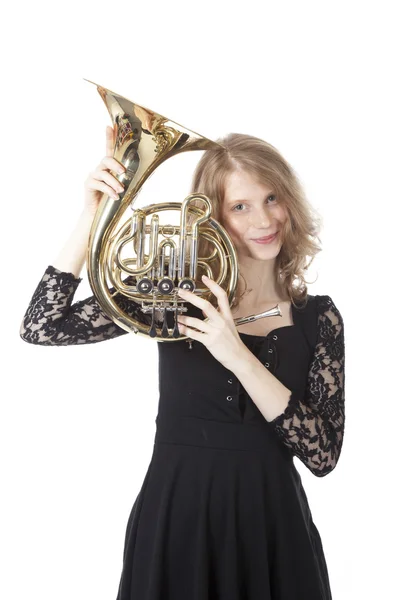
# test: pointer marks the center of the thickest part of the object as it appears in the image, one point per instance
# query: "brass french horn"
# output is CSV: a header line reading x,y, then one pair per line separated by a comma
x,y
157,258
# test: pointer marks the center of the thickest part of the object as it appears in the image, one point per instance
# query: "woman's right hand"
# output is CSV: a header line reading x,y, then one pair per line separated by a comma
x,y
101,180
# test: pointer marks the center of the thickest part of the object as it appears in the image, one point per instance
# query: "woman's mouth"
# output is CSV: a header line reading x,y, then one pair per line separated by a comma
x,y
266,240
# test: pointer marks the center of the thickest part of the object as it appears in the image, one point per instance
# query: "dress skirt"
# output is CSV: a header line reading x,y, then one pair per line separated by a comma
x,y
221,515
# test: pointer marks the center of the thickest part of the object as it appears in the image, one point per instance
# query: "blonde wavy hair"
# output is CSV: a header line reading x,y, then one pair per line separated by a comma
x,y
301,229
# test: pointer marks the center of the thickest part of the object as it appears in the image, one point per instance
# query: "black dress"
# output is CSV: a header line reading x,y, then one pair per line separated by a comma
x,y
222,513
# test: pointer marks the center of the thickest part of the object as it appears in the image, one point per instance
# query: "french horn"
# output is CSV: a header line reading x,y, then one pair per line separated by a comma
x,y
145,257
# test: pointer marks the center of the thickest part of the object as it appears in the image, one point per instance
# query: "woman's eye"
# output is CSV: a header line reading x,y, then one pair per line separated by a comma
x,y
241,204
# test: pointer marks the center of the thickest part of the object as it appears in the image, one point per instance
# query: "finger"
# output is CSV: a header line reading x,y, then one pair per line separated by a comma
x,y
109,141
203,326
108,163
94,184
220,294
206,306
110,179
192,334
111,163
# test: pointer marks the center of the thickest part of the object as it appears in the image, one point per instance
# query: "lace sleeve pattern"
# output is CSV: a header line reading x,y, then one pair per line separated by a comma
x,y
312,426
52,320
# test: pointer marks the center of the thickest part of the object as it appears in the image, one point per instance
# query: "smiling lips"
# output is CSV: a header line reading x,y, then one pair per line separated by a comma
x,y
265,239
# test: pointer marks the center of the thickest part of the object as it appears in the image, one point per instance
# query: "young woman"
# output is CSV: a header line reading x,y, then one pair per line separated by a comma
x,y
222,513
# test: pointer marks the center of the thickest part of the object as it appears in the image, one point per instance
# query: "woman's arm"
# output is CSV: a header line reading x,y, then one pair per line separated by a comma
x,y
310,425
52,320
73,254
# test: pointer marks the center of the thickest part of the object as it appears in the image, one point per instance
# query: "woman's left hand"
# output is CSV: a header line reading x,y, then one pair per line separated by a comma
x,y
219,333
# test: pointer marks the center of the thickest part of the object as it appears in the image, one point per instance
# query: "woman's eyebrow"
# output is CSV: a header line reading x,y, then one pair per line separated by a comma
x,y
245,199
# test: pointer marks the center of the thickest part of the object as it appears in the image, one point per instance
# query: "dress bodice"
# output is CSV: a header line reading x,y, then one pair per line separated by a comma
x,y
193,383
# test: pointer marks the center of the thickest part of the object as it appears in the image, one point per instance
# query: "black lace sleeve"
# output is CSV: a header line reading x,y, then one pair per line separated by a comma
x,y
312,427
52,320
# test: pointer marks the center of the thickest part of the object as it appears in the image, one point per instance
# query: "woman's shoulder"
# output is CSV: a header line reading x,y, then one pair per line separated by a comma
x,y
319,302
327,307
324,319
317,315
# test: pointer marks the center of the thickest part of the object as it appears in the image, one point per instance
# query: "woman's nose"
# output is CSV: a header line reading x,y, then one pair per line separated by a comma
x,y
260,218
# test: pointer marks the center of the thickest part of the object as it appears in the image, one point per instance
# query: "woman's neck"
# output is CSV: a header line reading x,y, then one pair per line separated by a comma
x,y
261,285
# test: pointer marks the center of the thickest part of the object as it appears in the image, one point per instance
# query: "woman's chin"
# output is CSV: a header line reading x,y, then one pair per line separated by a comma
x,y
260,251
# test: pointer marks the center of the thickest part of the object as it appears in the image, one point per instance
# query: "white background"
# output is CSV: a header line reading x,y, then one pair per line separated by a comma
x,y
315,79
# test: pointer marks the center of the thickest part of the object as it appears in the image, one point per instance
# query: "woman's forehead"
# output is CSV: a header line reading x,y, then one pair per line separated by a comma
x,y
244,183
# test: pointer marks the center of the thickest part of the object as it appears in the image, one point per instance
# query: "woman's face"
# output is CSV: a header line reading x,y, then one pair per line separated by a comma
x,y
251,211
